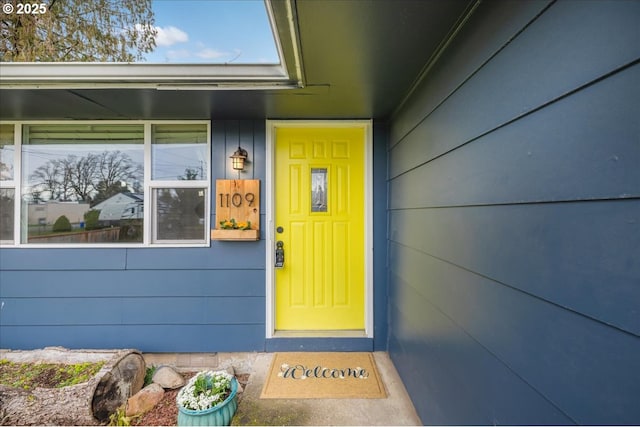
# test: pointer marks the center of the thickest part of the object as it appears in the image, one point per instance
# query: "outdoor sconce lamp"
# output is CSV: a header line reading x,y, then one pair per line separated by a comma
x,y
238,158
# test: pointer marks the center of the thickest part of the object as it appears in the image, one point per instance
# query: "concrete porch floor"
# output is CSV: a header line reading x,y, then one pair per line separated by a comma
x,y
396,409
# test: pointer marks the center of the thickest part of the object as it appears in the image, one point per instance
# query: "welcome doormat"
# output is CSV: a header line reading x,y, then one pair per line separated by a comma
x,y
323,376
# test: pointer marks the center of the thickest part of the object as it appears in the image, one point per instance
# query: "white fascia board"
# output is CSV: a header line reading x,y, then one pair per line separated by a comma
x,y
114,75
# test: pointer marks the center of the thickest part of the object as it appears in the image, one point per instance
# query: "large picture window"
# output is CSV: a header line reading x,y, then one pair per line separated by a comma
x,y
105,184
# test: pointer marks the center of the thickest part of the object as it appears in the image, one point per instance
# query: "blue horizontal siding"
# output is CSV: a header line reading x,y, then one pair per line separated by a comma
x,y
447,393
62,259
132,283
148,338
535,166
514,220
504,20
584,260
538,340
133,311
552,58
221,255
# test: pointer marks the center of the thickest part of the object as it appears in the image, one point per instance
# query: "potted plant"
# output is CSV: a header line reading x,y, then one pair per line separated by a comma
x,y
209,398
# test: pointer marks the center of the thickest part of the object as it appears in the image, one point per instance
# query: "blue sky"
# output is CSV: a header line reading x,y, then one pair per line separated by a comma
x,y
212,31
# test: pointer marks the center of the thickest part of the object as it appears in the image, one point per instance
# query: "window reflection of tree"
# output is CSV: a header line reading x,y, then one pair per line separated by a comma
x,y
71,185
6,213
93,177
181,211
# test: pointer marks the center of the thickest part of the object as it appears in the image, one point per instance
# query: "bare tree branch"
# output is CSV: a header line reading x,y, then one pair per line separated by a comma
x,y
80,30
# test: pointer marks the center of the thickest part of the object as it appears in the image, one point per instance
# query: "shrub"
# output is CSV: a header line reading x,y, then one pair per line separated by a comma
x,y
91,219
62,224
148,377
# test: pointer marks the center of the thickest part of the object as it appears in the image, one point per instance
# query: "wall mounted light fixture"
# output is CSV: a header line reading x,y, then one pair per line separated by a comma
x,y
238,158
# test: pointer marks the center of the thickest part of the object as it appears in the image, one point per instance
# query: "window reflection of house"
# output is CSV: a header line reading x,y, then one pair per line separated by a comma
x,y
120,206
47,213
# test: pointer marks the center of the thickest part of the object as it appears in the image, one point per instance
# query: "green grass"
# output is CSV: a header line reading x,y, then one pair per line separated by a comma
x,y
47,375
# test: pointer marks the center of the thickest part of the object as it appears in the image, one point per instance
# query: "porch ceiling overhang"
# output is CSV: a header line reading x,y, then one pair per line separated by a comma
x,y
344,59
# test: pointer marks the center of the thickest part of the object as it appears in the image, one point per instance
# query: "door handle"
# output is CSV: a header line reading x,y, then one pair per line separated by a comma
x,y
279,254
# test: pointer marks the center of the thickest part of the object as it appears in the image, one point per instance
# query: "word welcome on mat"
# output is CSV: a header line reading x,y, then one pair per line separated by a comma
x,y
323,376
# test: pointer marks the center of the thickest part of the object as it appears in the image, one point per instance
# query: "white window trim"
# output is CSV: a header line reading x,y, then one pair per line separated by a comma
x,y
149,186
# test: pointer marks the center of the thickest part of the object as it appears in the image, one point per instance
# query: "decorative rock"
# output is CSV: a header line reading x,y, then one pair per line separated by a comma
x,y
231,371
166,377
144,400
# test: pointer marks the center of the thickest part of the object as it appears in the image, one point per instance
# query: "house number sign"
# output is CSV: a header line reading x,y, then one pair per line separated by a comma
x,y
238,199
237,202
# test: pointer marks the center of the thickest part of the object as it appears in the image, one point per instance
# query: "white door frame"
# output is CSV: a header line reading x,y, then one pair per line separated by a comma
x,y
271,126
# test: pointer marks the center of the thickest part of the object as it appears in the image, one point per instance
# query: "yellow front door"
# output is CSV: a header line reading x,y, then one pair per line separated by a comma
x,y
319,218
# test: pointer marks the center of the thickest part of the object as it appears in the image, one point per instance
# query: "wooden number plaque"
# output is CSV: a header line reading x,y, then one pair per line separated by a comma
x,y
237,200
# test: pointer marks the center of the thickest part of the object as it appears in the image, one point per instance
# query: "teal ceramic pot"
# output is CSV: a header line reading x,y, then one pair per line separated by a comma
x,y
219,415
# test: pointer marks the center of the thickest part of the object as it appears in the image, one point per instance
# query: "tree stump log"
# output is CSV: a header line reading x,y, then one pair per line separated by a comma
x,y
88,403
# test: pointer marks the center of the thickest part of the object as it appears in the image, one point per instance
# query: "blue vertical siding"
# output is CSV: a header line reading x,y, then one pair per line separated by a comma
x,y
514,220
153,299
380,226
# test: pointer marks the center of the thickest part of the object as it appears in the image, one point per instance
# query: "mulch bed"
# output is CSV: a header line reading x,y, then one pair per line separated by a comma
x,y
165,413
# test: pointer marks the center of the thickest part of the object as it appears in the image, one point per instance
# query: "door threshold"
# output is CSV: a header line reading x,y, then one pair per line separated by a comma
x,y
346,333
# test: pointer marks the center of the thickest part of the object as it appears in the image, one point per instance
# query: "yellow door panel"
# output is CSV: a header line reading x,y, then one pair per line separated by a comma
x,y
319,194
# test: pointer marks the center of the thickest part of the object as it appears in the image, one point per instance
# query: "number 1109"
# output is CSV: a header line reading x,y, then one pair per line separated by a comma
x,y
236,199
